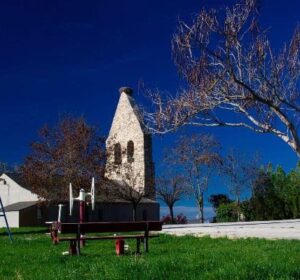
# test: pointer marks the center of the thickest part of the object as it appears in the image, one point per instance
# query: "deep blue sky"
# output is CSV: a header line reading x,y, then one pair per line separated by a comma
x,y
70,57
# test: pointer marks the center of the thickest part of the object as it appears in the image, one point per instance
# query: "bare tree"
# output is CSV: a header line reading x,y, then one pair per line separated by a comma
x,y
229,66
124,182
126,192
170,189
241,172
71,151
198,156
128,189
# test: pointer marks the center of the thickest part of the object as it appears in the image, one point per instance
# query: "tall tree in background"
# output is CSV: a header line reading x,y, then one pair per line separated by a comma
x,y
293,190
71,151
170,189
240,172
198,156
287,188
275,195
266,202
218,199
234,77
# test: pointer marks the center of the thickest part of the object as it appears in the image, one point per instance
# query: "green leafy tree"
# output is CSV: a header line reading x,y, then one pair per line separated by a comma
x,y
266,203
218,199
293,191
227,213
282,189
246,210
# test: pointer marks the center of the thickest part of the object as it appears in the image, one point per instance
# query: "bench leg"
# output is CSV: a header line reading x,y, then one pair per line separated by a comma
x,y
77,247
73,248
78,240
82,242
138,243
146,245
54,237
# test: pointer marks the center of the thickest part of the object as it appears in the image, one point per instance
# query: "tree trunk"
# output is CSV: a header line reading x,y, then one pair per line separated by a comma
x,y
238,209
201,206
295,208
171,213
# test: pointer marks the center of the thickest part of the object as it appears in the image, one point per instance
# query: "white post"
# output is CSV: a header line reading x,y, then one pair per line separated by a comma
x,y
60,206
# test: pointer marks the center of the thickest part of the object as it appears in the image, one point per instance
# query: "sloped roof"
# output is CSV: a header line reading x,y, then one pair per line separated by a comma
x,y
139,115
17,177
19,206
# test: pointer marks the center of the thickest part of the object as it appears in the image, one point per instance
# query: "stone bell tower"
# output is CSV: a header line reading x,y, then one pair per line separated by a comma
x,y
129,147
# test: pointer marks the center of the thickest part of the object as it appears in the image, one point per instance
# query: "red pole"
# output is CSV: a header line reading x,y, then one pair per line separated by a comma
x,y
81,218
81,211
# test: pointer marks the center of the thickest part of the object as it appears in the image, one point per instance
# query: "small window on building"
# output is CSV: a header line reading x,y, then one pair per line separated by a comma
x,y
118,153
130,151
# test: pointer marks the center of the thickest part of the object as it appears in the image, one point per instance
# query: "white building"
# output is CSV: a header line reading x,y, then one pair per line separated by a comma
x,y
19,202
13,189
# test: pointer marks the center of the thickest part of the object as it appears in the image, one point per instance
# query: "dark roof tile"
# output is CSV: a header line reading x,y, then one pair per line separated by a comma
x,y
19,206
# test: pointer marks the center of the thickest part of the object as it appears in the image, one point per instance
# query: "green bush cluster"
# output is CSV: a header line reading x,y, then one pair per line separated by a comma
x,y
275,195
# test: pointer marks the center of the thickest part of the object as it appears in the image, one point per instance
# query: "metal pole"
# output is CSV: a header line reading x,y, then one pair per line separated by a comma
x,y
82,212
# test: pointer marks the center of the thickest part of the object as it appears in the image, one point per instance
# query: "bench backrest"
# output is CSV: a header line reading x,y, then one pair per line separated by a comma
x,y
111,227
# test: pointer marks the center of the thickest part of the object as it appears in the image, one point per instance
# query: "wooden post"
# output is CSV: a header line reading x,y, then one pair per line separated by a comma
x,y
138,243
73,247
82,218
78,240
146,248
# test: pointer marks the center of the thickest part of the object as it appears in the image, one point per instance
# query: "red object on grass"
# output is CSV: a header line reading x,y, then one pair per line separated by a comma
x,y
120,247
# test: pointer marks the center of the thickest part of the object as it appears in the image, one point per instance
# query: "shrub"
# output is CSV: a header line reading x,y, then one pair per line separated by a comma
x,y
166,220
227,213
179,219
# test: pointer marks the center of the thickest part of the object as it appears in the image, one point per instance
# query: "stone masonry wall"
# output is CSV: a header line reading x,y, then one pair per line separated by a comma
x,y
127,127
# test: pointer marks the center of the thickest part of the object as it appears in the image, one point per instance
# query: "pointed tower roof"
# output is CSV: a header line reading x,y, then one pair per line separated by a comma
x,y
127,105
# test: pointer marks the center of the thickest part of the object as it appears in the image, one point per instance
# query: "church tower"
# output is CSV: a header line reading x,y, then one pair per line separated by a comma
x,y
129,147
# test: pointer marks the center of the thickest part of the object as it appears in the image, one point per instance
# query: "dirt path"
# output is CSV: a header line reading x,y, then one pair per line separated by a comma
x,y
286,229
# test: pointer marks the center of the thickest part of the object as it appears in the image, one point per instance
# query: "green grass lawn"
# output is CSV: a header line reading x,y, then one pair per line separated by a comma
x,y
32,256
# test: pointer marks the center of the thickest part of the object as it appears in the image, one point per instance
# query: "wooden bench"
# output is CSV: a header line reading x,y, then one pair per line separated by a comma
x,y
142,231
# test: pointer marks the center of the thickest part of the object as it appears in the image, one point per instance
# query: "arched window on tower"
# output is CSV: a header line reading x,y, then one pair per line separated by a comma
x,y
130,151
118,153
